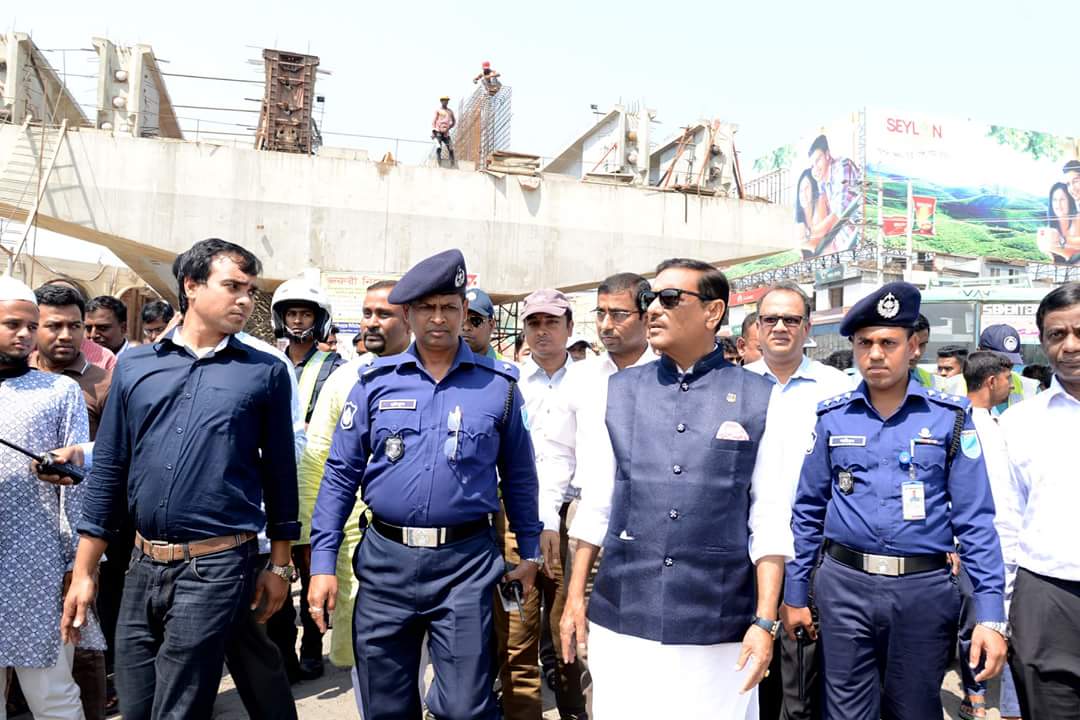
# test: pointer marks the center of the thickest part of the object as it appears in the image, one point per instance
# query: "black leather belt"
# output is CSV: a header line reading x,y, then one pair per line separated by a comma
x,y
430,537
885,564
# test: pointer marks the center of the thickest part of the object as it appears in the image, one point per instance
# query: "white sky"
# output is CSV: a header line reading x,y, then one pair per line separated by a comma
x,y
774,68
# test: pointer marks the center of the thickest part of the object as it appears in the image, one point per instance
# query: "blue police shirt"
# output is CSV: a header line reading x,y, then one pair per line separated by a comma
x,y
851,438
197,444
395,440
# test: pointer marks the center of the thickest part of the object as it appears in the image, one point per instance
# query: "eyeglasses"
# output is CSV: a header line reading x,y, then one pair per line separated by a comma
x,y
453,426
790,321
617,316
476,320
669,298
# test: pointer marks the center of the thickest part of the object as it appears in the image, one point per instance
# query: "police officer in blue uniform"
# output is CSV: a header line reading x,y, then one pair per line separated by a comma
x,y
893,473
422,434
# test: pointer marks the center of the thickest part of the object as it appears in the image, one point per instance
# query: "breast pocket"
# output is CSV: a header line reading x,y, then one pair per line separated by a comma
x,y
401,425
237,402
930,461
731,460
850,469
478,445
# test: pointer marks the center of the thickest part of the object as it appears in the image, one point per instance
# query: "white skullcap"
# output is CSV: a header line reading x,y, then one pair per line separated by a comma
x,y
12,289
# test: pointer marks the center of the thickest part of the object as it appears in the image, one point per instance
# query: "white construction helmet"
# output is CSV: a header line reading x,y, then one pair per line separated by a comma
x,y
301,292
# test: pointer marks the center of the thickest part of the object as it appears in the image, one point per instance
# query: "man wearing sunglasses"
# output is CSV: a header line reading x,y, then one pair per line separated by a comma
x,y
783,323
423,434
693,514
480,324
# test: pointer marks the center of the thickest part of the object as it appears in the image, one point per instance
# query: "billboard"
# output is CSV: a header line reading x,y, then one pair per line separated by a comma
x,y
981,190
978,190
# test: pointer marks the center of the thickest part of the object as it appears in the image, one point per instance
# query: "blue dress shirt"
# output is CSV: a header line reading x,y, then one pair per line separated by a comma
x,y
197,444
851,437
429,475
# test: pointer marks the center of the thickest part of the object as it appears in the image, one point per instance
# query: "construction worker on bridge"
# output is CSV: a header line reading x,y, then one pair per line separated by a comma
x,y
489,77
441,126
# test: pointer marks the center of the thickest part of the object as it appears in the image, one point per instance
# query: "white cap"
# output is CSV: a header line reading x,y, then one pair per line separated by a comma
x,y
574,340
12,289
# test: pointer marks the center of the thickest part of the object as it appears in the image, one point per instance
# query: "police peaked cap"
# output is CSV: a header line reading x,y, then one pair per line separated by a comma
x,y
442,274
894,304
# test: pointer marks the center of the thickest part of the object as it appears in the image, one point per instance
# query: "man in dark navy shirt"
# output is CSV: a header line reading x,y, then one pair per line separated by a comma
x,y
198,436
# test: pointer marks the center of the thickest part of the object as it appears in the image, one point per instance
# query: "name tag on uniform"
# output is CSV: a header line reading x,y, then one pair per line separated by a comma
x,y
397,404
914,497
847,441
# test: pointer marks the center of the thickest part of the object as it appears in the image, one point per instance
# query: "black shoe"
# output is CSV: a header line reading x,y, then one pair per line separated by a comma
x,y
311,668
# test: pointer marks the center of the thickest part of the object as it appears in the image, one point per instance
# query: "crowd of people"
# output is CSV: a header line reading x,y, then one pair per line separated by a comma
x,y
684,525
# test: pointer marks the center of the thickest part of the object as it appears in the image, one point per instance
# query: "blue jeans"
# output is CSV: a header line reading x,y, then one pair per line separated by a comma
x,y
175,620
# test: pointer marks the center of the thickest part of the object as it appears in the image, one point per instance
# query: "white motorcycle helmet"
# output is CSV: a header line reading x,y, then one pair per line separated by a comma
x,y
301,292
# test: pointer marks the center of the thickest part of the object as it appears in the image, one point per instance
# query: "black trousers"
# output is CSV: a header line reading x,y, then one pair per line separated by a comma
x,y
1045,650
258,670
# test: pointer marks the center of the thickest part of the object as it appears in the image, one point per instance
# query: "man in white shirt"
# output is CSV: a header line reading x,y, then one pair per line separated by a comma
x,y
693,519
783,322
988,378
577,417
1041,435
549,323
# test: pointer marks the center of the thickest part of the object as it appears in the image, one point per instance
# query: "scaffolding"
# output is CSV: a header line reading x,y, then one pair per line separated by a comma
x,y
285,121
483,125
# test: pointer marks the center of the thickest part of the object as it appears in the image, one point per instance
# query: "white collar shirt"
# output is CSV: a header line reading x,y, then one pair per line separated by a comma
x,y
1006,508
575,424
793,406
770,505
1040,434
540,390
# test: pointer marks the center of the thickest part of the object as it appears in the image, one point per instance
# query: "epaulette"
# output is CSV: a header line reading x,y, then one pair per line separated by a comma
x,y
947,399
503,367
379,366
834,402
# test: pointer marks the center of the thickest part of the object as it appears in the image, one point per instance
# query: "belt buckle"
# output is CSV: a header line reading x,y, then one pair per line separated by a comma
x,y
422,537
884,565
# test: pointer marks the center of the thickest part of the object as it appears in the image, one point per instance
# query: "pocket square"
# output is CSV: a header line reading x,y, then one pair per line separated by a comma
x,y
732,430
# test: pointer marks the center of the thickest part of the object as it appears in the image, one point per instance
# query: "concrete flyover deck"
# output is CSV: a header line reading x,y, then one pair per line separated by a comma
x,y
147,199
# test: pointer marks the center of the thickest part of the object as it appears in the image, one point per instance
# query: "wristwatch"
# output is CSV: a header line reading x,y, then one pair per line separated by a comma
x,y
539,560
285,572
770,626
1001,628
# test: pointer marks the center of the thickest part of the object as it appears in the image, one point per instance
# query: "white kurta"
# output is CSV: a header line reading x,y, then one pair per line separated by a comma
x,y
638,679
40,411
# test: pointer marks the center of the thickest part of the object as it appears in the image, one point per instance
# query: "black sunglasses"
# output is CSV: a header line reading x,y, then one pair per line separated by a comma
x,y
788,320
669,298
476,320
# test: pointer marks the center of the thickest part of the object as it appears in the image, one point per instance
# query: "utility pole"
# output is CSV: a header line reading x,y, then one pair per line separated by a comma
x,y
910,224
881,233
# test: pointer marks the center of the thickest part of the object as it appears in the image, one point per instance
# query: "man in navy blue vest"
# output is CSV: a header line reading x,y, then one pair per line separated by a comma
x,y
693,513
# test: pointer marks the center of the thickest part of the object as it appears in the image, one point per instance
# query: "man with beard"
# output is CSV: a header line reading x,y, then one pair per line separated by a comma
x,y
59,337
42,411
385,327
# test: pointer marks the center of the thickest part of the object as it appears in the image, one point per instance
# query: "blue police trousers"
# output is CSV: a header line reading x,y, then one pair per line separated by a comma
x,y
885,641
405,592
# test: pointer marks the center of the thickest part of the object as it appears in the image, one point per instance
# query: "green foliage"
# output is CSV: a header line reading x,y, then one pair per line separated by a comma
x,y
778,159
766,263
1037,144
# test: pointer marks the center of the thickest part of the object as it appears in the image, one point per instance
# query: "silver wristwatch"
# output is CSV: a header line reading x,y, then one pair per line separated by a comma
x,y
539,560
1001,628
285,572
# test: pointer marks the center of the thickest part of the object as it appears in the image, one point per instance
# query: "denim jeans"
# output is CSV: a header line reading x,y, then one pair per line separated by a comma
x,y
175,620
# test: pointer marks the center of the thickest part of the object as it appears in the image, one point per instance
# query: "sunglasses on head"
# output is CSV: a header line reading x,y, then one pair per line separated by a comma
x,y
669,298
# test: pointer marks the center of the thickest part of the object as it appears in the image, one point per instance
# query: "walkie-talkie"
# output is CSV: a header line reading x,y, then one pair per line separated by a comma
x,y
47,465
